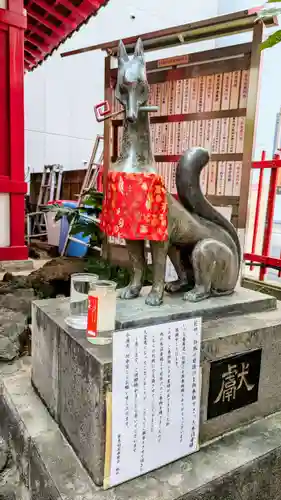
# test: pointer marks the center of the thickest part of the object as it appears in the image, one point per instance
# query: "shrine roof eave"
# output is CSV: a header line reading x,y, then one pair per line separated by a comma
x,y
51,22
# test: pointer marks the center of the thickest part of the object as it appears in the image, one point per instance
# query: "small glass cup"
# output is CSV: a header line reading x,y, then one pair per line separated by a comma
x,y
80,286
102,311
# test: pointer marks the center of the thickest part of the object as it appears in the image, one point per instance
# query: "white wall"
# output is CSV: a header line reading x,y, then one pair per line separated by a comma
x,y
60,94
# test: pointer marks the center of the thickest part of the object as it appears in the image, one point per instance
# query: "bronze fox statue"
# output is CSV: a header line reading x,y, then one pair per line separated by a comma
x,y
202,245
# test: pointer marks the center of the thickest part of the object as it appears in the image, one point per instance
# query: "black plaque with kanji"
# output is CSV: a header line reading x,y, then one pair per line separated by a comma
x,y
234,383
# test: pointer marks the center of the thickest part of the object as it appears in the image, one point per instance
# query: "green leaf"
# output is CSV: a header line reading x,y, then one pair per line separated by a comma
x,y
80,224
273,1
272,40
274,11
70,213
93,198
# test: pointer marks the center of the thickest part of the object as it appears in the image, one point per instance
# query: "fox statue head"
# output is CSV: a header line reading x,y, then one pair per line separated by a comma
x,y
132,88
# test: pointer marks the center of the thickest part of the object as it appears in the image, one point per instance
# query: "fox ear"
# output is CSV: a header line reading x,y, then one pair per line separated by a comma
x,y
139,52
122,53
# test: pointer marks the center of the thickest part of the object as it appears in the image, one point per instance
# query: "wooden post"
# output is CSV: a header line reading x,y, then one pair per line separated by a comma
x,y
12,185
107,123
106,143
249,139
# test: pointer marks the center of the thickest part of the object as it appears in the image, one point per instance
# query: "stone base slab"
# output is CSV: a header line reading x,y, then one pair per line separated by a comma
x,y
245,464
135,313
72,376
13,266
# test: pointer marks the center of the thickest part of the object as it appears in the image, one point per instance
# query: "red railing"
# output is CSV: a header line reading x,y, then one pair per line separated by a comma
x,y
264,260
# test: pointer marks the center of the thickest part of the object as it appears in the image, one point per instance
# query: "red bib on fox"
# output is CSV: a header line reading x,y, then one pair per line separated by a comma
x,y
135,207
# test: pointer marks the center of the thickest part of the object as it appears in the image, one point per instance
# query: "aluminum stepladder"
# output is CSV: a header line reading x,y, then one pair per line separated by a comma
x,y
50,189
90,181
50,185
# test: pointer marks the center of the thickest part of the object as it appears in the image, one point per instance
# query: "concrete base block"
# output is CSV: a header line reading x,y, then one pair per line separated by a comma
x,y
72,383
72,376
245,464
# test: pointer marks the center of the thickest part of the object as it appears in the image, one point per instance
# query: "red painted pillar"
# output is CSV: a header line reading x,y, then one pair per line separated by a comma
x,y
12,185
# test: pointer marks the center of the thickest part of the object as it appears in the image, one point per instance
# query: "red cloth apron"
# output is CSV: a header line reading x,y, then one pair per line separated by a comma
x,y
135,207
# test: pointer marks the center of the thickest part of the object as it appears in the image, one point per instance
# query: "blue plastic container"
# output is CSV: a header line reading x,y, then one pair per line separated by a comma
x,y
74,249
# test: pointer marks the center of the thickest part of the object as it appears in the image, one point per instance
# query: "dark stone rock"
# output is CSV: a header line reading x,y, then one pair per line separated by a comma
x,y
17,294
8,350
12,283
47,282
12,326
7,277
20,300
54,277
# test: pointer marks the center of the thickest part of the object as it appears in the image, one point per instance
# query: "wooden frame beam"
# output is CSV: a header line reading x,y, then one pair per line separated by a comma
x,y
215,27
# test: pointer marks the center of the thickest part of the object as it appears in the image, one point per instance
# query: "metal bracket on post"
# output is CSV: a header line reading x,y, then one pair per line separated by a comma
x,y
103,111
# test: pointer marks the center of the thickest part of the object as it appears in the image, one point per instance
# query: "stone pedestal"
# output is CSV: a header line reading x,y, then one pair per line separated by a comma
x,y
72,376
242,465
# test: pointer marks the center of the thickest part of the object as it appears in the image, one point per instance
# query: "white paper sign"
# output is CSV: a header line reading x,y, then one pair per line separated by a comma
x,y
171,274
155,397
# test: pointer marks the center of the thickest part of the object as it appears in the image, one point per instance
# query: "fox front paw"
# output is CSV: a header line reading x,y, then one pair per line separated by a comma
x,y
196,295
130,292
154,298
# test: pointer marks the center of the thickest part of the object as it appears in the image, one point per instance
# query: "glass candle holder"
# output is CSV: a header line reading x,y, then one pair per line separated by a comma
x,y
79,291
101,311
